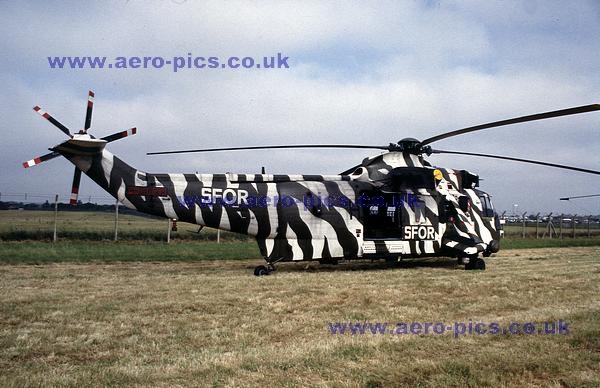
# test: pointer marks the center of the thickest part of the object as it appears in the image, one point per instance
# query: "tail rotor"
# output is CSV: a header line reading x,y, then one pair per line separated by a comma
x,y
80,143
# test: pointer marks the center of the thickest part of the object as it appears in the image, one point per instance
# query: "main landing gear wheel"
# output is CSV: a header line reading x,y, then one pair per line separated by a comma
x,y
479,264
263,270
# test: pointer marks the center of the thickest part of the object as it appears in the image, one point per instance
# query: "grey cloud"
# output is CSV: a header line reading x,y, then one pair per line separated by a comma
x,y
417,71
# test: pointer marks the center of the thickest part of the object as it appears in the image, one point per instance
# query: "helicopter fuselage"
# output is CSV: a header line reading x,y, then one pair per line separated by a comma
x,y
392,205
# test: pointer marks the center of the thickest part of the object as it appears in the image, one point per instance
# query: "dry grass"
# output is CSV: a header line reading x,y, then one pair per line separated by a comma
x,y
213,323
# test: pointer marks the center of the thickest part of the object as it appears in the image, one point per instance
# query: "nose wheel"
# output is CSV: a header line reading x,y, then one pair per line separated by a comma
x,y
476,264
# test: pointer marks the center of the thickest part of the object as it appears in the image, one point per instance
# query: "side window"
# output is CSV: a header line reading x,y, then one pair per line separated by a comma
x,y
486,204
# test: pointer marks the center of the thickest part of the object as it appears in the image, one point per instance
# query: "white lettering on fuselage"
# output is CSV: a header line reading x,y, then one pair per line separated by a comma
x,y
420,232
228,196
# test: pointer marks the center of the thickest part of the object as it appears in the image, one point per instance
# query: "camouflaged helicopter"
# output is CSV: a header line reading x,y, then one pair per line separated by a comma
x,y
392,206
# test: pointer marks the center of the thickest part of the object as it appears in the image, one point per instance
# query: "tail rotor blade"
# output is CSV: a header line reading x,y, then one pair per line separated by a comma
x,y
120,135
40,159
88,113
54,121
75,187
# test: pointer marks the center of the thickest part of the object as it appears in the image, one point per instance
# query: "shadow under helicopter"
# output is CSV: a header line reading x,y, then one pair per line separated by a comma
x,y
368,265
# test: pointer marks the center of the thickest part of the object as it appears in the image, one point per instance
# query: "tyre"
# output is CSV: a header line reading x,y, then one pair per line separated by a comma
x,y
479,264
261,270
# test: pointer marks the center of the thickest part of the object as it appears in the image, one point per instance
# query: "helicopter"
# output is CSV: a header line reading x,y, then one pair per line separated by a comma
x,y
394,205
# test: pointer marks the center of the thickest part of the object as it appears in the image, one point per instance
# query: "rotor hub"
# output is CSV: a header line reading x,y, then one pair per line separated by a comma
x,y
411,146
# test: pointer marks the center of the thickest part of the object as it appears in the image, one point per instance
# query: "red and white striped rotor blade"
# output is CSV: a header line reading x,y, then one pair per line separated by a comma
x,y
75,187
54,121
88,113
40,159
120,135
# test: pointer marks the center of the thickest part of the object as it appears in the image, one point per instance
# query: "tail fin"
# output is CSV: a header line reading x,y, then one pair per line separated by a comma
x,y
110,173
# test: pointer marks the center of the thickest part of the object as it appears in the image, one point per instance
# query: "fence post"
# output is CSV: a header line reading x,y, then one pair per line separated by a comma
x,y
116,219
524,223
55,237
537,226
573,226
588,226
560,225
168,230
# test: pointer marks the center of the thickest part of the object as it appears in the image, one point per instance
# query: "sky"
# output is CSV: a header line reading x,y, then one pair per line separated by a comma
x,y
359,73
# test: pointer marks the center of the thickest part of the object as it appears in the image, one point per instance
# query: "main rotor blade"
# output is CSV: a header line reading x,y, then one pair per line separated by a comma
x,y
120,135
40,159
75,187
54,121
579,196
538,116
518,160
88,113
271,147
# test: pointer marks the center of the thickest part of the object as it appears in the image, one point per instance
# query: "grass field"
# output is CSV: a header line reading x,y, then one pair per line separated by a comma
x,y
581,230
35,252
78,251
90,311
212,323
97,226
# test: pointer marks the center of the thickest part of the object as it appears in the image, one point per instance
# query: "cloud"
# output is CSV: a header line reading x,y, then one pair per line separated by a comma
x,y
362,73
